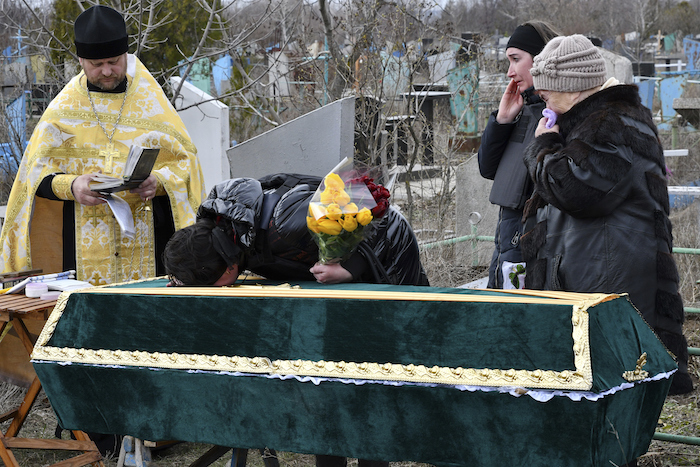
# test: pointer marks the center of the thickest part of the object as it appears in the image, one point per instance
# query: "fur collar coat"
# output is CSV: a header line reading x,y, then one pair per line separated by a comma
x,y
598,220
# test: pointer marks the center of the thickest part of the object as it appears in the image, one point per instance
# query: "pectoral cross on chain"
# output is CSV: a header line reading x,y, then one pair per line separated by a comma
x,y
109,153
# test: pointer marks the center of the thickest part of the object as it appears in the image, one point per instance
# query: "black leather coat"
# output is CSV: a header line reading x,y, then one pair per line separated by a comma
x,y
602,223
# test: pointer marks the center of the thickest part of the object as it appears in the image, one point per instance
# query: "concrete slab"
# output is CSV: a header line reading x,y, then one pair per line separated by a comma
x,y
689,109
311,144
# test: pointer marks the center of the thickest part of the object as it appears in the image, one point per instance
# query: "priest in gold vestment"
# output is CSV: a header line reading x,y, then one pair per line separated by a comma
x,y
54,222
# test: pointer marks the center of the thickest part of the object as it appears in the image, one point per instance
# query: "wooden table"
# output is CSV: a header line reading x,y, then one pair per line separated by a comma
x,y
14,310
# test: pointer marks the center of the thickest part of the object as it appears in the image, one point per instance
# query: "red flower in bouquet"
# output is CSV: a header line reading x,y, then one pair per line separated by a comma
x,y
380,194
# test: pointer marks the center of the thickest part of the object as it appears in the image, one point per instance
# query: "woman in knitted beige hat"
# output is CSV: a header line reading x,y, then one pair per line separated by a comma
x,y
598,219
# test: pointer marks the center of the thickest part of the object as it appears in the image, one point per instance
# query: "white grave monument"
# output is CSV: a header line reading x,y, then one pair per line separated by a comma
x,y
208,126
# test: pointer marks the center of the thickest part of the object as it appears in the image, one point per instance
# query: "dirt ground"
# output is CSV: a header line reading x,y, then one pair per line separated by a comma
x,y
680,415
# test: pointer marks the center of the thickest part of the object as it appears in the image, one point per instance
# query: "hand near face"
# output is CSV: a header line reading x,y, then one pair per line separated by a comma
x,y
511,104
542,127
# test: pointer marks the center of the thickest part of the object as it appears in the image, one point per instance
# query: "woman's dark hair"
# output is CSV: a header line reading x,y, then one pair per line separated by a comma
x,y
190,258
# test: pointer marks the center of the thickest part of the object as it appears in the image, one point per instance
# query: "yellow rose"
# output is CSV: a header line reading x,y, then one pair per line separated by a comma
x,y
364,217
334,182
333,211
312,224
329,226
342,198
350,208
334,190
328,196
348,222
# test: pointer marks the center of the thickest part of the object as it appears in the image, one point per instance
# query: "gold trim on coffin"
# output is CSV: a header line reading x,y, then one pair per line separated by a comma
x,y
579,378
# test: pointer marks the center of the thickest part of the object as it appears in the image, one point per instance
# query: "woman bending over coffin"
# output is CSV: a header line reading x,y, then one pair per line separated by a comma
x,y
260,226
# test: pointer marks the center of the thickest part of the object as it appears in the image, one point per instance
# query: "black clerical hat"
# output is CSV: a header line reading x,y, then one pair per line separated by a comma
x,y
100,32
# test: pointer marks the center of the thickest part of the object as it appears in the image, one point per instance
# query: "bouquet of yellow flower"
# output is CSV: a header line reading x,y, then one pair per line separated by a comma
x,y
340,212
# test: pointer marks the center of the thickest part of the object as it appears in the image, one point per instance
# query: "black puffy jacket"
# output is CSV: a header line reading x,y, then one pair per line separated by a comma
x,y
269,217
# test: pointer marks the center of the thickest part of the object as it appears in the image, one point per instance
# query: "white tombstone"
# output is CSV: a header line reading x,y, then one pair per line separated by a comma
x,y
208,126
278,63
440,64
474,213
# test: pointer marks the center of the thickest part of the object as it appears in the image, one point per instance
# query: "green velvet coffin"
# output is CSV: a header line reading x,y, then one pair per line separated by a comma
x,y
397,373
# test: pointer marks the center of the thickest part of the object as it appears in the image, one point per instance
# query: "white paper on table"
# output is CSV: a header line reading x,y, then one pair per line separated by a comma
x,y
67,284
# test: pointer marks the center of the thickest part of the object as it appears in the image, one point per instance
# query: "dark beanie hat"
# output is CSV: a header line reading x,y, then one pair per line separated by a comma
x,y
526,38
100,32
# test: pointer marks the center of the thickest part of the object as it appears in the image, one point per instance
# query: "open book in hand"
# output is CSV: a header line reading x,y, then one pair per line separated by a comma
x,y
138,167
